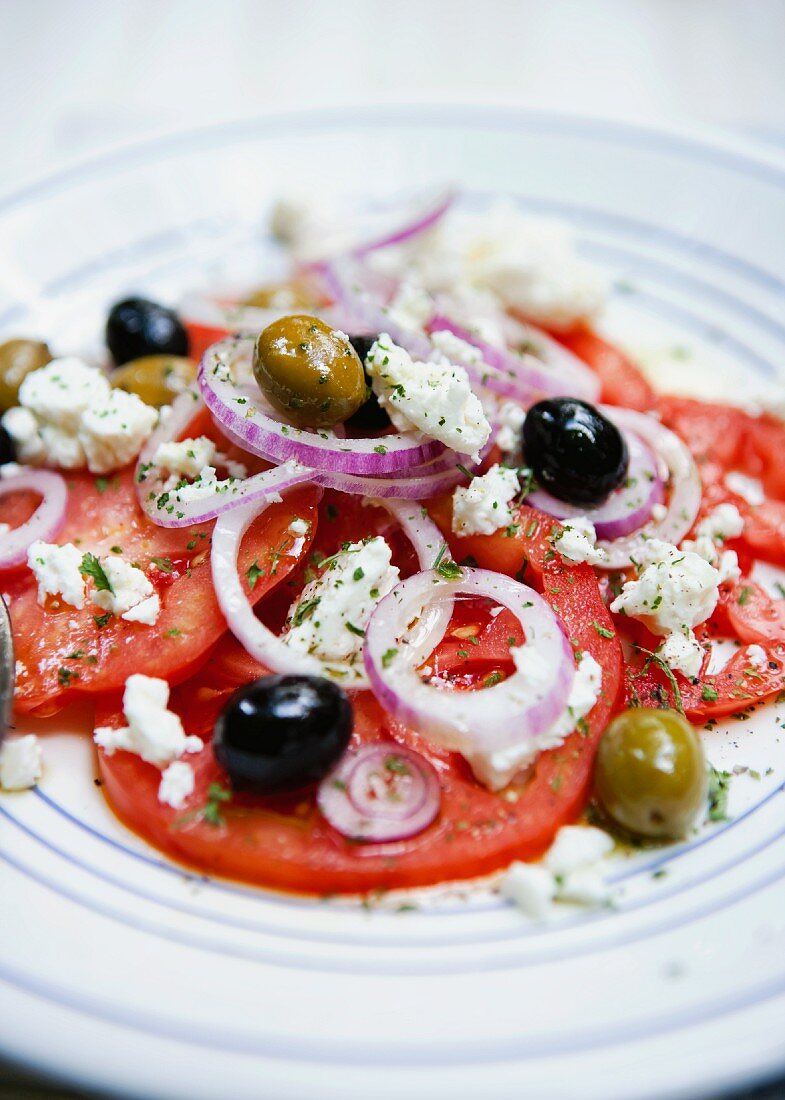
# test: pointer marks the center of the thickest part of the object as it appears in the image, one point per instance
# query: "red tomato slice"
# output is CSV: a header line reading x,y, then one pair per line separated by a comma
x,y
66,653
741,684
201,337
622,382
284,843
751,614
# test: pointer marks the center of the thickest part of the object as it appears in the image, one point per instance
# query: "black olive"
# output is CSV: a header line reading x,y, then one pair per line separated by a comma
x,y
137,327
282,732
370,417
575,452
7,452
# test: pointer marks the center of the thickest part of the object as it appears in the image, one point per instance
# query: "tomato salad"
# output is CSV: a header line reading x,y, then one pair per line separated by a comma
x,y
388,574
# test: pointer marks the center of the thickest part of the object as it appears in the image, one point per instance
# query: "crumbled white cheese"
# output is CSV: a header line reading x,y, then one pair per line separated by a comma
x,y
329,618
153,732
22,427
570,872
529,886
511,417
62,391
412,307
455,349
530,263
69,416
658,512
675,591
576,847
756,655
748,488
483,506
132,596
299,526
433,398
682,653
112,432
723,523
577,542
21,763
205,486
57,570
177,784
186,458
496,769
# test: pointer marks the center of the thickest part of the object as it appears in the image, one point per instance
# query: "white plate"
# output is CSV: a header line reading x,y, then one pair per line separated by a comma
x,y
122,971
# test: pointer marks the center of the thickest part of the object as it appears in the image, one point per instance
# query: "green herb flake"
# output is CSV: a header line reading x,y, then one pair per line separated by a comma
x,y
253,574
91,567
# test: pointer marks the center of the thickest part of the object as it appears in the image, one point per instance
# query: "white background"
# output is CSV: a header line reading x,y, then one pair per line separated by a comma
x,y
77,76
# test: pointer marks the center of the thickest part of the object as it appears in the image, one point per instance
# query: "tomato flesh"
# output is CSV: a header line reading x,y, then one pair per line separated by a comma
x,y
285,843
65,653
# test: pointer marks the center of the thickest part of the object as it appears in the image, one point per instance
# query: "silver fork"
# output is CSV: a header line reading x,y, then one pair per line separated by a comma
x,y
7,669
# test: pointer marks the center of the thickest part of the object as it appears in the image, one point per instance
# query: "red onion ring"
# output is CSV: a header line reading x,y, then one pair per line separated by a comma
x,y
627,508
263,435
578,379
381,792
685,486
467,721
267,647
426,219
521,378
148,481
46,521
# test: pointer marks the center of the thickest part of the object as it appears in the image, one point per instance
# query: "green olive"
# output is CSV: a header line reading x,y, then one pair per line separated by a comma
x,y
17,359
157,379
651,775
308,372
280,296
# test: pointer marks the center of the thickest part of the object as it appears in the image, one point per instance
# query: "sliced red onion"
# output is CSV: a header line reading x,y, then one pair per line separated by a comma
x,y
576,378
46,521
251,632
355,292
492,718
164,508
521,378
418,223
683,483
259,641
627,508
241,411
381,792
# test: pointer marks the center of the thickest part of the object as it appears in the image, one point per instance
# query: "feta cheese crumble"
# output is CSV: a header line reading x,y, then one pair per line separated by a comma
x,y
675,591
725,522
69,416
483,506
571,871
21,763
132,595
57,570
577,540
329,618
748,488
153,732
186,458
496,769
177,784
433,398
511,418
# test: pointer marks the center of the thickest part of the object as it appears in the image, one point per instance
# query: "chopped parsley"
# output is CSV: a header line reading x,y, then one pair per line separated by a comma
x,y
102,620
354,629
388,656
709,694
164,564
719,788
65,676
602,630
92,567
253,573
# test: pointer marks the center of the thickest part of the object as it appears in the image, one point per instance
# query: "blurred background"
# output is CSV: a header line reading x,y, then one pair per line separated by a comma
x,y
77,76
81,76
